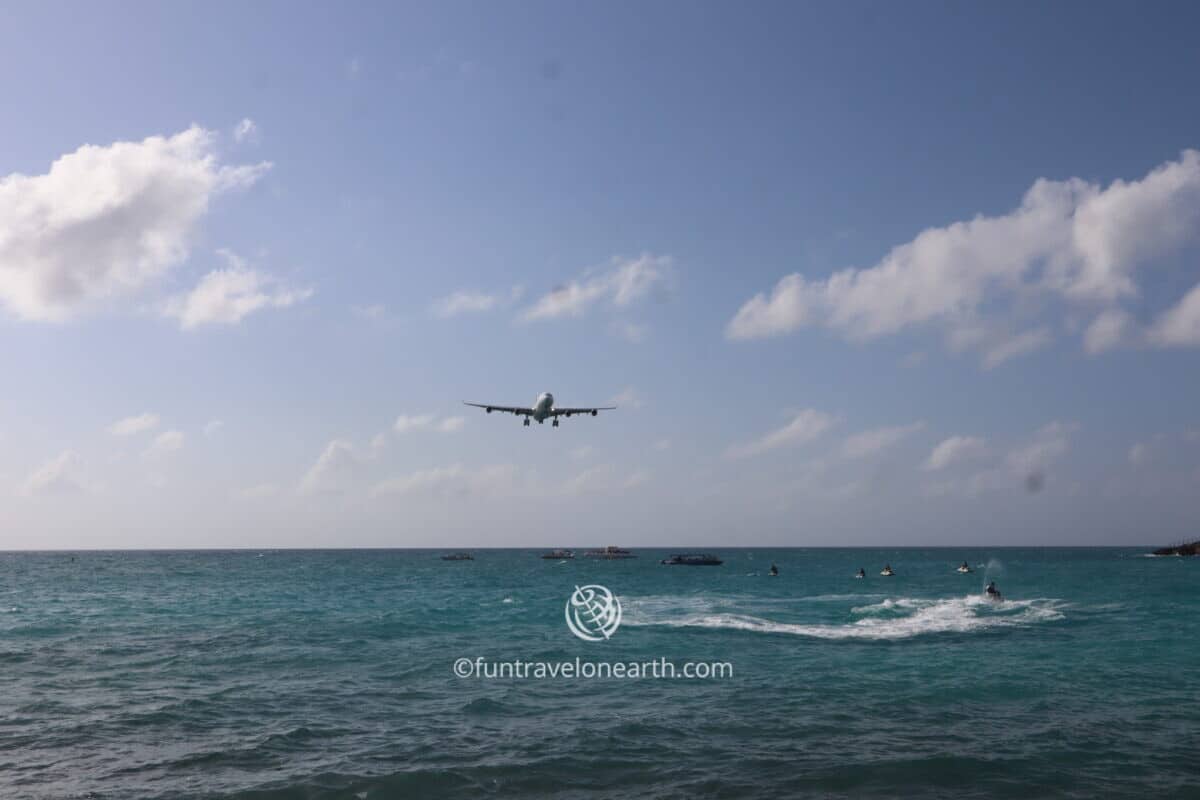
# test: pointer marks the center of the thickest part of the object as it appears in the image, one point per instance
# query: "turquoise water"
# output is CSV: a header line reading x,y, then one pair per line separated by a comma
x,y
315,674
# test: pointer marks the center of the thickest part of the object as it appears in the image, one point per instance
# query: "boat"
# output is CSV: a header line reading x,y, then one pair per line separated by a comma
x,y
559,554
458,557
693,560
610,553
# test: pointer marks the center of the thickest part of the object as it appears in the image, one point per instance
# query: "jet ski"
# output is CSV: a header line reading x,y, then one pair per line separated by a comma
x,y
992,593
774,571
862,573
964,569
887,572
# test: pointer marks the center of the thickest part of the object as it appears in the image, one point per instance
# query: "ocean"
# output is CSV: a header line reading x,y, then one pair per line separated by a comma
x,y
330,674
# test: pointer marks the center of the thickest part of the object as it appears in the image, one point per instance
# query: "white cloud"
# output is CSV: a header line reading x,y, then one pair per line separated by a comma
x,y
868,443
997,352
627,398
166,442
225,296
603,479
1139,454
258,491
334,470
1107,330
632,332
57,476
212,427
245,131
375,311
954,450
132,425
1047,446
407,423
624,282
106,221
1179,326
1069,241
804,427
454,479
465,303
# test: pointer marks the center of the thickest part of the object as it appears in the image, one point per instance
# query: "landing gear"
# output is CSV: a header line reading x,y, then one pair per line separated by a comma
x,y
554,424
527,422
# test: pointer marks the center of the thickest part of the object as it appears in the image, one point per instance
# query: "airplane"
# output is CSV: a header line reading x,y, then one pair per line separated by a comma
x,y
543,409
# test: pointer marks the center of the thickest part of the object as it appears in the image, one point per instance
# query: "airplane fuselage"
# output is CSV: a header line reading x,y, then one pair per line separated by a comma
x,y
543,406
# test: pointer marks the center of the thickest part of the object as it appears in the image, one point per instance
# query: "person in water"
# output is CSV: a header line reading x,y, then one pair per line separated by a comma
x,y
862,573
774,570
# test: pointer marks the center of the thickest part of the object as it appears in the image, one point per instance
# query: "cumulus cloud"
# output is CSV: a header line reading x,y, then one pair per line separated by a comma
x,y
57,476
998,351
225,296
245,131
632,332
258,491
464,303
622,283
1048,444
868,443
212,427
106,221
166,442
472,302
407,423
132,425
1025,465
1107,330
627,398
334,470
955,450
1180,325
804,427
1070,241
604,479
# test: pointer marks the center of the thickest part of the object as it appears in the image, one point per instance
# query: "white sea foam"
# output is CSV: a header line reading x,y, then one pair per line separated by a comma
x,y
925,616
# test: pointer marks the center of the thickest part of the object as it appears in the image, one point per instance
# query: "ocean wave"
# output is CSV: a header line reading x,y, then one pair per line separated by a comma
x,y
920,617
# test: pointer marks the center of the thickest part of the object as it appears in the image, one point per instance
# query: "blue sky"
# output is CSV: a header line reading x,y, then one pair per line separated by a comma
x,y
855,273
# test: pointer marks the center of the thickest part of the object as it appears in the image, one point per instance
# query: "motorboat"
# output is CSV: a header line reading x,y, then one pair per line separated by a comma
x,y
610,553
559,555
693,560
458,557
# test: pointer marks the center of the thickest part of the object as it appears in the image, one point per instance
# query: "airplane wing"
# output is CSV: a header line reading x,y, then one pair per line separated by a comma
x,y
567,412
509,409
